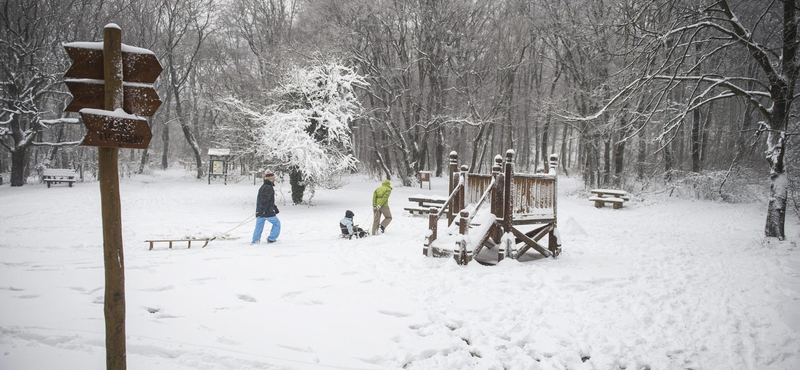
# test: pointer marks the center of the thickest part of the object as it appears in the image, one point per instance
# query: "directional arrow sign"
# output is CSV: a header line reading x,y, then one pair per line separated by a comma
x,y
115,129
139,99
140,69
138,65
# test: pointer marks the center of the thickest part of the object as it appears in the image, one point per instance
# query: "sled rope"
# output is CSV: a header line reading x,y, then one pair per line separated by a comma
x,y
248,219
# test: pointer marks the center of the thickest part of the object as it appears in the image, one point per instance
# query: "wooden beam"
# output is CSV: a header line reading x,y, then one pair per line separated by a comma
x,y
529,243
108,176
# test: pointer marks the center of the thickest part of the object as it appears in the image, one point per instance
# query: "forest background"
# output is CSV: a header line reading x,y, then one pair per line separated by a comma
x,y
681,97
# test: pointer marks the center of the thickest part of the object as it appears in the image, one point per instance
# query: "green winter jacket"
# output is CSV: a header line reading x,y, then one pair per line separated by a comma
x,y
381,195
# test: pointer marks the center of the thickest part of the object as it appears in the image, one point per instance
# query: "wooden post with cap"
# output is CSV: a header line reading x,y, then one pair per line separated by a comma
x,y
108,174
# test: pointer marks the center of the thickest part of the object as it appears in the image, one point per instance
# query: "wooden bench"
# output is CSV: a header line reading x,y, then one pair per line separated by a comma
x,y
59,175
424,204
615,197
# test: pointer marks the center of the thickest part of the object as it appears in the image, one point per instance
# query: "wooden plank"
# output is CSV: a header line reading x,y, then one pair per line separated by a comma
x,y
609,200
115,130
176,240
139,99
138,65
533,232
484,239
609,192
533,221
529,243
427,200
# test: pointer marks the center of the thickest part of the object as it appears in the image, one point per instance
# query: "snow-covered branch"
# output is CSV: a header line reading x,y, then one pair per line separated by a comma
x,y
727,83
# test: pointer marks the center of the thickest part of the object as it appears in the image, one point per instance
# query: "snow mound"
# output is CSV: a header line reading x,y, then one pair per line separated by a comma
x,y
571,227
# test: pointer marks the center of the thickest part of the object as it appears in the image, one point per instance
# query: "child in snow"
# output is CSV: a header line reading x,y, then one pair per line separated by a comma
x,y
348,228
380,206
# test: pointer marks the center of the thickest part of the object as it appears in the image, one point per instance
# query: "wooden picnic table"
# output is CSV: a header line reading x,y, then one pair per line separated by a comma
x,y
603,196
424,204
58,175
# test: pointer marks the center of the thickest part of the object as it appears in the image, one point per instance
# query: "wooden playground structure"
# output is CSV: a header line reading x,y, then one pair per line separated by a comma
x,y
514,200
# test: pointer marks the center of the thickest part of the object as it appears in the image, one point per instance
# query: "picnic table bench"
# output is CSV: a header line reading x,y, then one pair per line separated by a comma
x,y
424,204
59,175
602,196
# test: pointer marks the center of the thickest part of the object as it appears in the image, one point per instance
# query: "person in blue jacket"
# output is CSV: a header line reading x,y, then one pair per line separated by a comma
x,y
348,228
266,210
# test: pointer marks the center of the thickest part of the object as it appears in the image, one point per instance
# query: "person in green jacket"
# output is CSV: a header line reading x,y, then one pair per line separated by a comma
x,y
380,206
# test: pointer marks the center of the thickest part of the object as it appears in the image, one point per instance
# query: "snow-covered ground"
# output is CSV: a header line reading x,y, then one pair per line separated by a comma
x,y
655,285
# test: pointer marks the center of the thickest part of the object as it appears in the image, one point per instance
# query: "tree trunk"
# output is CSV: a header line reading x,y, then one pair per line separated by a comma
x,y
619,161
545,137
668,157
165,142
187,132
296,182
439,151
563,158
607,161
709,122
18,166
696,137
778,188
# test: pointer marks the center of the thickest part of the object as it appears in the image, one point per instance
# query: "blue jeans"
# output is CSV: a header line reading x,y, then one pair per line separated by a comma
x,y
273,233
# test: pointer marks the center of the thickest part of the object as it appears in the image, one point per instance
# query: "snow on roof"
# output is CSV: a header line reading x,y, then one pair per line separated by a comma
x,y
219,152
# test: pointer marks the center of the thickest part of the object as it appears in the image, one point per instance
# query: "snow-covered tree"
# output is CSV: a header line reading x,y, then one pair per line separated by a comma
x,y
307,132
31,64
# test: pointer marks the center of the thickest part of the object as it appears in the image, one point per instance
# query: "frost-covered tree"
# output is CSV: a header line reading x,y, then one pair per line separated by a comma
x,y
701,55
31,65
307,132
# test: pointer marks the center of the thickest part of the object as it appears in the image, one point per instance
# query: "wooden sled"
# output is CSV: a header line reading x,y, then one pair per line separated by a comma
x,y
170,241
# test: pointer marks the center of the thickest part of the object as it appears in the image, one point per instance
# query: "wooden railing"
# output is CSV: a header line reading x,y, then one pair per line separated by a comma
x,y
515,200
534,192
455,202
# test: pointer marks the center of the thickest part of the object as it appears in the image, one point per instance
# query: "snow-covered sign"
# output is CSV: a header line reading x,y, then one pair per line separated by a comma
x,y
84,79
138,65
115,129
219,152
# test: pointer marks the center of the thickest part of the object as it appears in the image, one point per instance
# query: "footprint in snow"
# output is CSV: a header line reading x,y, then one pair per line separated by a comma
x,y
298,349
158,289
290,294
224,340
246,298
394,313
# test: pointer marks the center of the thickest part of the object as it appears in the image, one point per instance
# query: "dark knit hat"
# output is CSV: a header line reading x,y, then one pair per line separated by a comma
x,y
349,214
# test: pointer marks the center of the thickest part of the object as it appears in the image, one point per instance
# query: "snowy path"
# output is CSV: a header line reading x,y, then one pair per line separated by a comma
x,y
683,285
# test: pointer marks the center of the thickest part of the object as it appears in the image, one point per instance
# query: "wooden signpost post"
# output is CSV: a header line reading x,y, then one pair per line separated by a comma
x,y
111,84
